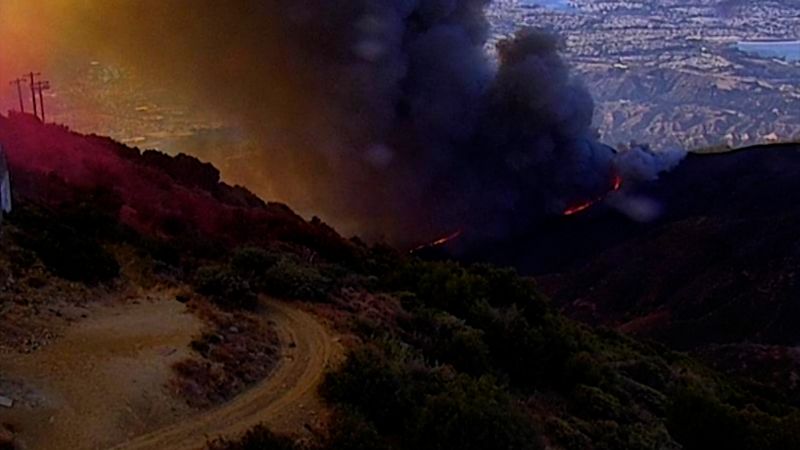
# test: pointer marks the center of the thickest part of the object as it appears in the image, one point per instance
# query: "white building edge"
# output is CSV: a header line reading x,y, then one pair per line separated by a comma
x,y
5,185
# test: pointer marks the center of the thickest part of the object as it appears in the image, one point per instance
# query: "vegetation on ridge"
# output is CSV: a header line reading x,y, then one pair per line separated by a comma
x,y
443,356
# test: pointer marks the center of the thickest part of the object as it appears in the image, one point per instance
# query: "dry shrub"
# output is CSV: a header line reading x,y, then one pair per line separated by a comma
x,y
356,308
238,350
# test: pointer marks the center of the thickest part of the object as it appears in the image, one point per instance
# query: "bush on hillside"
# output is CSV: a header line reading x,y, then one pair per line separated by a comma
x,y
475,358
348,431
467,291
253,270
352,431
445,338
472,414
69,241
70,254
427,408
225,287
384,381
257,438
252,262
291,279
282,275
699,420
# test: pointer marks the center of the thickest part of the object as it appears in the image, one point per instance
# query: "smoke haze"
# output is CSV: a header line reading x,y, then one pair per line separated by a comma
x,y
385,117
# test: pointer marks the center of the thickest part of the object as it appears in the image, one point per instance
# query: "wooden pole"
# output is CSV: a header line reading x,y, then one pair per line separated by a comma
x,y
19,82
33,76
42,86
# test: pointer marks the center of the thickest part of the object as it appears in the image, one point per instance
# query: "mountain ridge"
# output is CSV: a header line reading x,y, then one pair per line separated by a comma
x,y
437,354
156,194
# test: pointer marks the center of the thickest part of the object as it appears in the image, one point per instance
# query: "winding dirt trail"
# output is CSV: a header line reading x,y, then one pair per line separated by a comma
x,y
103,384
285,402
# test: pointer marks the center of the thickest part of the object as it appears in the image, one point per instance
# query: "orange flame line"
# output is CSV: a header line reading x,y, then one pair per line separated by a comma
x,y
578,209
438,242
572,210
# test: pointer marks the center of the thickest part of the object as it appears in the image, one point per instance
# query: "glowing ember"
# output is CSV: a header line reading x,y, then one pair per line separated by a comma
x,y
578,209
438,242
617,183
572,210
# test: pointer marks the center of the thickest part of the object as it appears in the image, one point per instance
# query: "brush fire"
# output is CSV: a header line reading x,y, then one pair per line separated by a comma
x,y
438,243
423,131
577,209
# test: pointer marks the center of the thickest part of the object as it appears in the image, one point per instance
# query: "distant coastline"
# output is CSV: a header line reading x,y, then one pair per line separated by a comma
x,y
788,50
552,4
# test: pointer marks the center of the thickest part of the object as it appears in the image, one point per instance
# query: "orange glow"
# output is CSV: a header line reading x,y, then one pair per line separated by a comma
x,y
572,210
438,242
578,209
617,183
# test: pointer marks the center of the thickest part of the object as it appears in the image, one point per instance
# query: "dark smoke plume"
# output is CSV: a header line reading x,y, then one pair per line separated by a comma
x,y
387,115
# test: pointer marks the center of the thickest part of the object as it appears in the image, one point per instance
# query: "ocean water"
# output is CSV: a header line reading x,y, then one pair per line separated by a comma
x,y
788,50
553,4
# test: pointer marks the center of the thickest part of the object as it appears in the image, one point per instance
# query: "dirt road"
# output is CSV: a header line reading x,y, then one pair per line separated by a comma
x,y
102,385
103,381
285,402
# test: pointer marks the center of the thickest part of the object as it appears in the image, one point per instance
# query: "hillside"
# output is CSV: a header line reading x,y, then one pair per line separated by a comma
x,y
717,273
157,195
435,354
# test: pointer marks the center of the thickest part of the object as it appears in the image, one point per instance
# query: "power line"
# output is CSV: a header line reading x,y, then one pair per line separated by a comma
x,y
42,86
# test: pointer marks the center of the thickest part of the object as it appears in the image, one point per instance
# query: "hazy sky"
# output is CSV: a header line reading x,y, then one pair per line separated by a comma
x,y
387,113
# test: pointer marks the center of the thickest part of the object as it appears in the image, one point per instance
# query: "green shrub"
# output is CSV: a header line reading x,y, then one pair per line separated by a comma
x,y
289,278
383,381
282,275
472,414
516,347
252,262
467,291
389,385
447,339
225,288
506,287
700,420
564,433
352,431
69,243
73,256
258,438
583,368
592,403
254,270
162,251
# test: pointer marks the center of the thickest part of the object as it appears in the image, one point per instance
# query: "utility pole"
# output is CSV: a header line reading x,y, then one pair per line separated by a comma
x,y
42,86
32,77
19,82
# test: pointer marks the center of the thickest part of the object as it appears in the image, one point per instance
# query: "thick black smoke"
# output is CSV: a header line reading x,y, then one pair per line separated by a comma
x,y
384,113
